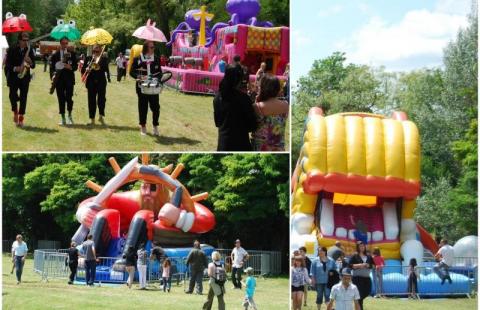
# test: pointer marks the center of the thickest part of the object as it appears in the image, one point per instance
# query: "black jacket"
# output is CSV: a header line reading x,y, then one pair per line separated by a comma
x,y
66,76
14,58
155,69
235,118
97,77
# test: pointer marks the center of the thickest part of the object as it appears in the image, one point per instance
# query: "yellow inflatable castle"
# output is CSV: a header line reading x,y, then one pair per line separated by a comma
x,y
358,171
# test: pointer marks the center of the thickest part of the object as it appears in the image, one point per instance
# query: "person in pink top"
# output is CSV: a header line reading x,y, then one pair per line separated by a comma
x,y
379,262
166,275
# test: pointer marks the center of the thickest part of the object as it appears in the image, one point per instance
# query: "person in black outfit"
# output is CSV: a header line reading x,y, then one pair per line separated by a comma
x,y
72,261
14,64
64,63
233,112
45,62
96,84
147,64
362,263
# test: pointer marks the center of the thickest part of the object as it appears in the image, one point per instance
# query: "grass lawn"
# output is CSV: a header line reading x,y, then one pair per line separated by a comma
x,y
404,303
32,293
186,121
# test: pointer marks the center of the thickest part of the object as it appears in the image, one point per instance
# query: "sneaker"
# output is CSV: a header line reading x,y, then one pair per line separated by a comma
x,y
70,282
101,120
62,122
18,282
69,119
155,131
143,130
188,292
92,122
168,290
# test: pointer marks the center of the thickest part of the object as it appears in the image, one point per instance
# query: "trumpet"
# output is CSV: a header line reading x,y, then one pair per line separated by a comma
x,y
26,65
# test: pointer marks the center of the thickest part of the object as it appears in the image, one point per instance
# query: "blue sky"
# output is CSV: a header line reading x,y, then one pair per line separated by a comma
x,y
398,34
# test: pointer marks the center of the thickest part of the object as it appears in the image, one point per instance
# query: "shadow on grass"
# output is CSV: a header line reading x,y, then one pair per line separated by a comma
x,y
175,140
38,129
101,127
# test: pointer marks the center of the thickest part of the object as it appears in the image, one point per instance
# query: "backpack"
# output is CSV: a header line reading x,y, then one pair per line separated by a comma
x,y
220,274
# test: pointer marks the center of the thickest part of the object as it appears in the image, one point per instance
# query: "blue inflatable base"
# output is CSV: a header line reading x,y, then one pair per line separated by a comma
x,y
177,256
395,282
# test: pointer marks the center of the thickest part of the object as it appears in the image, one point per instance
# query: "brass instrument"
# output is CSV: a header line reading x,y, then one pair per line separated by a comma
x,y
26,65
67,56
93,65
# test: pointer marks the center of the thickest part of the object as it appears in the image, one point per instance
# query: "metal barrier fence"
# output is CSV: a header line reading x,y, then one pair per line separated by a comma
x,y
51,263
396,281
263,262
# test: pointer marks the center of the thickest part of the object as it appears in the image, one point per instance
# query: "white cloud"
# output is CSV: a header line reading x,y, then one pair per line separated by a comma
x,y
420,34
364,8
458,7
300,39
332,10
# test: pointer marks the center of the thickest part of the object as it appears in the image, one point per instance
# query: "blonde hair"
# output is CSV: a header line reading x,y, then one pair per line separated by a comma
x,y
216,256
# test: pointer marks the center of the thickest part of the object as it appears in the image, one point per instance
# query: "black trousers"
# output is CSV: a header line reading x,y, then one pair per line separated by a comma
x,y
73,270
143,102
64,96
120,73
96,97
17,85
237,276
364,286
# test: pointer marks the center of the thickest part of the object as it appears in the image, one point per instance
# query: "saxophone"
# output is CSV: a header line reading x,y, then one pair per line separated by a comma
x,y
26,65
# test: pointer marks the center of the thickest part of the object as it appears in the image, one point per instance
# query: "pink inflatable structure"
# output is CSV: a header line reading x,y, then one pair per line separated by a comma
x,y
195,67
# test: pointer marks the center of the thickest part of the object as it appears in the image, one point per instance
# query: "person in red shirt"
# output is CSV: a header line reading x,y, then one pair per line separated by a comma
x,y
378,271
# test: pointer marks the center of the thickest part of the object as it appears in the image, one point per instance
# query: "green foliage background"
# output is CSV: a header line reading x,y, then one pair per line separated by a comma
x,y
443,104
122,17
248,194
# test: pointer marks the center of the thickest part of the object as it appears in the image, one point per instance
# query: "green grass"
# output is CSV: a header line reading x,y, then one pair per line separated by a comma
x,y
404,303
186,121
32,293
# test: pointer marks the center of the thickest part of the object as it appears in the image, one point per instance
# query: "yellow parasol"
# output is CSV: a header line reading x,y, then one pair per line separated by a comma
x,y
96,36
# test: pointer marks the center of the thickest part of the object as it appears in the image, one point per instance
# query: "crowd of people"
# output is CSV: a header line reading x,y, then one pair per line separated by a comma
x,y
86,256
334,276
250,116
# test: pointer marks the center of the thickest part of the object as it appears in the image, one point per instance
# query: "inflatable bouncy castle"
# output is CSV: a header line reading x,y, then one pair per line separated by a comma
x,y
162,211
357,178
197,48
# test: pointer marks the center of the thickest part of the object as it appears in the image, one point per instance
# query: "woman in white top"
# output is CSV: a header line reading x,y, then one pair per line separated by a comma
x,y
142,266
216,288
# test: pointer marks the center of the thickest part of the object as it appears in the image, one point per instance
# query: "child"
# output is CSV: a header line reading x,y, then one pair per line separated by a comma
x,y
166,275
250,286
413,275
378,271
299,278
